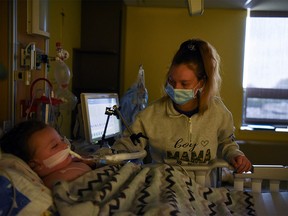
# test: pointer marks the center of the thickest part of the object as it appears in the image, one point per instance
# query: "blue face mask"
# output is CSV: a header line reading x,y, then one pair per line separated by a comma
x,y
180,96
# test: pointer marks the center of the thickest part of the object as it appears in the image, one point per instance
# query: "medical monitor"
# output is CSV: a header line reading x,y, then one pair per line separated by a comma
x,y
93,107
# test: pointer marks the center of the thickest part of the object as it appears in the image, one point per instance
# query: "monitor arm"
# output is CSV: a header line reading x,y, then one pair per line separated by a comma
x,y
135,138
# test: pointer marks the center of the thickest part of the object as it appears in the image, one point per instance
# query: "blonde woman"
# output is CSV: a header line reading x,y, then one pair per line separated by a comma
x,y
190,125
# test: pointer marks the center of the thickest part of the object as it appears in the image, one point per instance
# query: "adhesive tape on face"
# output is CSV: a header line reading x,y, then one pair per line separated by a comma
x,y
57,158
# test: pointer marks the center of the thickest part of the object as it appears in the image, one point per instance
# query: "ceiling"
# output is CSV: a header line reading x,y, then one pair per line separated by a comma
x,y
256,5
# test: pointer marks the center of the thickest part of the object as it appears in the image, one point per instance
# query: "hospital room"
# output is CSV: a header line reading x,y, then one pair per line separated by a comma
x,y
148,107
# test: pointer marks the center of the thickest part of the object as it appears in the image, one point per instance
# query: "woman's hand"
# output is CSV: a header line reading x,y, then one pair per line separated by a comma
x,y
241,164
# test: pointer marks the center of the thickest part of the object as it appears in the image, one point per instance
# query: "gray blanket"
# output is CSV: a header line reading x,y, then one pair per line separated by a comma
x,y
134,190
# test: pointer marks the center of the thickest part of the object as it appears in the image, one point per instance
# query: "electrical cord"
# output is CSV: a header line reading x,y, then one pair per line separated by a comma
x,y
47,100
31,104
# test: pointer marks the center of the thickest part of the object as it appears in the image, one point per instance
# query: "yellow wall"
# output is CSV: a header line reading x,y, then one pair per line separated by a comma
x,y
152,36
68,33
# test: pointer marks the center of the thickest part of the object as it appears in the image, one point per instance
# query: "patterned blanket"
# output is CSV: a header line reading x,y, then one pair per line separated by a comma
x,y
157,190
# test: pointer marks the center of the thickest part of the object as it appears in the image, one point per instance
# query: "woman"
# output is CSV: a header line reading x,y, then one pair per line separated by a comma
x,y
190,125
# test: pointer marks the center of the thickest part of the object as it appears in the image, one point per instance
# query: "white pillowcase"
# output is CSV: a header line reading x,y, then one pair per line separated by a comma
x,y
14,162
27,182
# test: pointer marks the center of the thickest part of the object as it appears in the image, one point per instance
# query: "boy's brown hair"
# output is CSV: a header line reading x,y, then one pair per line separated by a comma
x,y
16,140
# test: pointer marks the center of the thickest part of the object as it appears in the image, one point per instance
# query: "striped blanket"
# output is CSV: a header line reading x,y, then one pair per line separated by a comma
x,y
157,190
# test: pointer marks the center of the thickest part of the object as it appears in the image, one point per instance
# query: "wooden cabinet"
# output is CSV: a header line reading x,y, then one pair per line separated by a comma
x,y
5,98
95,71
96,65
101,25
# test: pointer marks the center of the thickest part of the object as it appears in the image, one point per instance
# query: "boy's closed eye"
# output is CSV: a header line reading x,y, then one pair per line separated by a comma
x,y
56,143
54,146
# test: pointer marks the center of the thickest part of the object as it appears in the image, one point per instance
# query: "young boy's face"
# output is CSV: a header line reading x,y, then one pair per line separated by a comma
x,y
43,144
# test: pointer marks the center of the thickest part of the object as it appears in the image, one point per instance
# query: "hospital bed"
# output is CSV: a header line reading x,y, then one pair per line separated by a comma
x,y
133,189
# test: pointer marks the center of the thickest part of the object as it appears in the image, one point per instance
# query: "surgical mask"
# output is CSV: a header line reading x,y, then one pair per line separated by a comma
x,y
180,96
57,158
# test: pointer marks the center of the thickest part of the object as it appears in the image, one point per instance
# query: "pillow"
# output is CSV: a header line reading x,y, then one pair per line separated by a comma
x,y
21,189
14,162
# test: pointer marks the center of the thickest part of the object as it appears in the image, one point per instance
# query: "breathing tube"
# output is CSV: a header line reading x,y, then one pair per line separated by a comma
x,y
112,159
117,158
60,156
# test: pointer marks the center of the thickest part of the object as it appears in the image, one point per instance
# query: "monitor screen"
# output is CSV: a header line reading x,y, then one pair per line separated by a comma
x,y
93,107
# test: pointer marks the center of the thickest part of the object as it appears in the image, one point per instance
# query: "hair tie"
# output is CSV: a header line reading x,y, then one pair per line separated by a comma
x,y
191,47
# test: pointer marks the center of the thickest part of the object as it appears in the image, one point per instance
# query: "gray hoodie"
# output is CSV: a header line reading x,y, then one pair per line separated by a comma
x,y
174,136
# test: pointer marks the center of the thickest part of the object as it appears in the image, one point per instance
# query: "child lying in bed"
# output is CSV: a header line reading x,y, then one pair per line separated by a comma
x,y
45,151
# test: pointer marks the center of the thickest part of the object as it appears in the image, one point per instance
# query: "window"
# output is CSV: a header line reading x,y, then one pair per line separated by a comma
x,y
265,79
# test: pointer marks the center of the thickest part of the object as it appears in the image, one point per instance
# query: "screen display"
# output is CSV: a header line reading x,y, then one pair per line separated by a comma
x,y
95,117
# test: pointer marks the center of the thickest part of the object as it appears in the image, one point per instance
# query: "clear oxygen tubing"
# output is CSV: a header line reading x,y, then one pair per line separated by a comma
x,y
112,159
102,159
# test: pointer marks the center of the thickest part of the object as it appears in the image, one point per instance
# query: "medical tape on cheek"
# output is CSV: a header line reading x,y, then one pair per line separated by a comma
x,y
57,158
